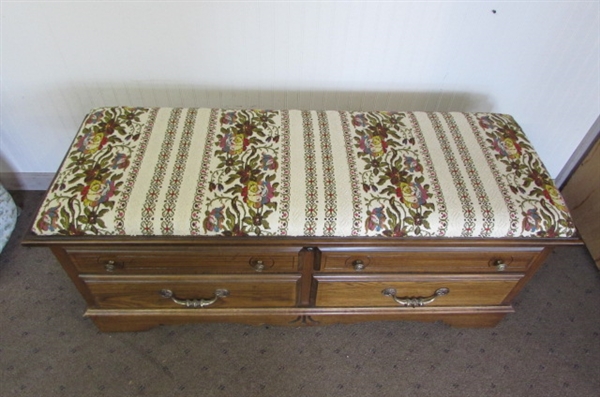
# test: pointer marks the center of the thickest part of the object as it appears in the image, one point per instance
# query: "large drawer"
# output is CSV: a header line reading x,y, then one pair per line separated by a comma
x,y
368,290
184,260
429,260
153,292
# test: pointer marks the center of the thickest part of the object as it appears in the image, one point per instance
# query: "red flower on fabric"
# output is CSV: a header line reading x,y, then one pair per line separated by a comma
x,y
98,192
233,143
413,195
91,142
214,221
376,219
257,194
49,219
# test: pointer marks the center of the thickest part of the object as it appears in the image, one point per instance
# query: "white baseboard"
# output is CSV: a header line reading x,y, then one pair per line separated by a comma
x,y
26,180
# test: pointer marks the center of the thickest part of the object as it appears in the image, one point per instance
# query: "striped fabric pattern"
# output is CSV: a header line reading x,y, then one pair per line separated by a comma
x,y
195,171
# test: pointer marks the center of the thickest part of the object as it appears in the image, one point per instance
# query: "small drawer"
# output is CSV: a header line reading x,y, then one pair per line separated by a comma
x,y
192,292
184,260
431,260
415,291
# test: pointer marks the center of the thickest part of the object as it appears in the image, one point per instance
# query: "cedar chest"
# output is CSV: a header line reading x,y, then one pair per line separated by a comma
x,y
288,217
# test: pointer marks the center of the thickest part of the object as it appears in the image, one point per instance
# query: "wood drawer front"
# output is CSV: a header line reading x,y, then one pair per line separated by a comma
x,y
184,260
144,292
345,291
430,260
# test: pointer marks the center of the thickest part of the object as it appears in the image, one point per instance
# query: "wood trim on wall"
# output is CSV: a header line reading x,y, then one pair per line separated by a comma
x,y
578,155
582,195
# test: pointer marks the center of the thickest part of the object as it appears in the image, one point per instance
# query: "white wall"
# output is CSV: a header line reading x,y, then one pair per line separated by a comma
x,y
538,61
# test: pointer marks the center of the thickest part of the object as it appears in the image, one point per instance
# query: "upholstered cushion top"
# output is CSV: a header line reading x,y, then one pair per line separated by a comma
x,y
163,171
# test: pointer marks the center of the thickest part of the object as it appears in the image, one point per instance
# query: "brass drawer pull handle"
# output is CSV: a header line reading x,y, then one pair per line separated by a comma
x,y
219,293
359,265
415,301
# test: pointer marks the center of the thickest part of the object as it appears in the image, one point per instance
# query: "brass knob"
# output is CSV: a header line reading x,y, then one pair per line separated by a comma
x,y
110,266
359,265
499,265
258,265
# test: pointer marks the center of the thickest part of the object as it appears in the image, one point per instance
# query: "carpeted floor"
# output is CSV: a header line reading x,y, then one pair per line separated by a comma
x,y
549,347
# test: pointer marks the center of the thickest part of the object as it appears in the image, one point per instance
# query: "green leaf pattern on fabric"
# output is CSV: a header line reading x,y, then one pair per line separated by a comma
x,y
242,188
87,187
543,210
398,199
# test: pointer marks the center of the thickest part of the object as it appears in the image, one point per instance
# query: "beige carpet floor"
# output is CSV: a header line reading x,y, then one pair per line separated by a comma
x,y
549,347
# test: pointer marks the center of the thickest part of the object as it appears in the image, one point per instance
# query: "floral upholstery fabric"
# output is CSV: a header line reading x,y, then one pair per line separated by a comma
x,y
8,216
164,171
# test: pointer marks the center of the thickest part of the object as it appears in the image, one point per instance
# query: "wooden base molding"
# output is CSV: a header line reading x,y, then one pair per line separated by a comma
x,y
141,320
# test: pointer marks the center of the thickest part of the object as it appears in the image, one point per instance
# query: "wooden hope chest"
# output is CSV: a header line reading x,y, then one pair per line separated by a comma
x,y
167,216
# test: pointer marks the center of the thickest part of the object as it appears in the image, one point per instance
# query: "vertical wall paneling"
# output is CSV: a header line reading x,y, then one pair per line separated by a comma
x,y
535,60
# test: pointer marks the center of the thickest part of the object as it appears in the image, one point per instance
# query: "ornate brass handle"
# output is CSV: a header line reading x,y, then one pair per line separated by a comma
x,y
415,301
219,293
358,265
